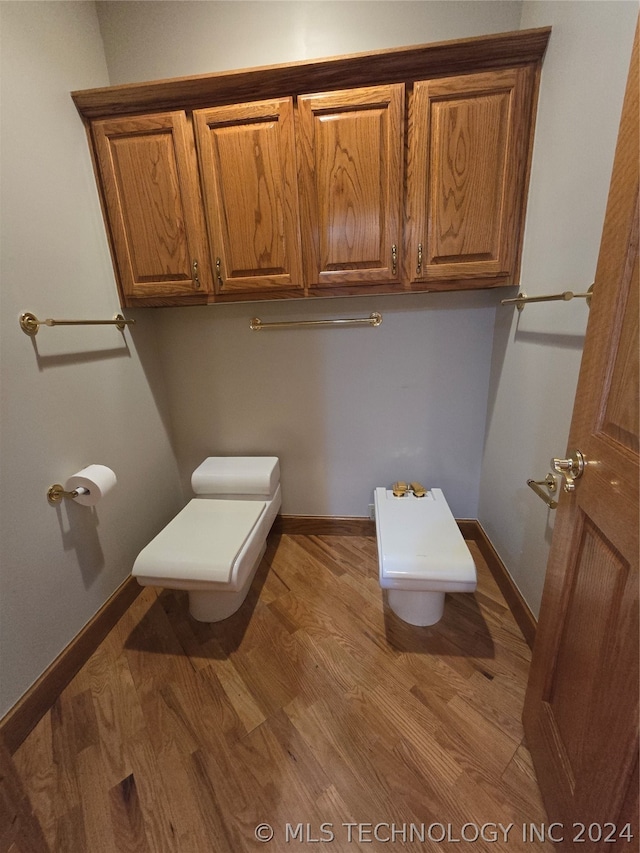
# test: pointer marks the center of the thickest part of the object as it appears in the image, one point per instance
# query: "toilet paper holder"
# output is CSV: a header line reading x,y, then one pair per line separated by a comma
x,y
57,492
87,486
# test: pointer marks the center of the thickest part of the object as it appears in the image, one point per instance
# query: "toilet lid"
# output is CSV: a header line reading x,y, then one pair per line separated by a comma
x,y
202,542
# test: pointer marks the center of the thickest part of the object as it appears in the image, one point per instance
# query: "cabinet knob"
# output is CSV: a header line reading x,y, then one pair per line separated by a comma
x,y
419,267
218,274
394,259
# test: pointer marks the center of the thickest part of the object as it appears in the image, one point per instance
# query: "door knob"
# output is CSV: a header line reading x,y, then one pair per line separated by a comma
x,y
571,469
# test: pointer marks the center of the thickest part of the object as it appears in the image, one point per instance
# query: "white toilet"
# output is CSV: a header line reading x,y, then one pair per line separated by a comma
x,y
213,547
421,554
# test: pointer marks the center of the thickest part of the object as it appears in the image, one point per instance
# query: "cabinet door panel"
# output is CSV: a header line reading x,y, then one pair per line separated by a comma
x,y
467,168
152,199
351,185
248,168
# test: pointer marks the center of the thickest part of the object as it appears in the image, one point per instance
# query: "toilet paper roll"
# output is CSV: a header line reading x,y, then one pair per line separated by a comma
x,y
96,479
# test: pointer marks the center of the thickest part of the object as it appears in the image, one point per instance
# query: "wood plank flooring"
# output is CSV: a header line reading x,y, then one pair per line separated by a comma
x,y
313,709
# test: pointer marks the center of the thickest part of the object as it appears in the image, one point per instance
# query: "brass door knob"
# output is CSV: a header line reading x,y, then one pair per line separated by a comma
x,y
571,469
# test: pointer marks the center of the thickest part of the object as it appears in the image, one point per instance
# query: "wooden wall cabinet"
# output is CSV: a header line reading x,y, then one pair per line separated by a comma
x,y
351,146
290,181
248,171
466,176
153,209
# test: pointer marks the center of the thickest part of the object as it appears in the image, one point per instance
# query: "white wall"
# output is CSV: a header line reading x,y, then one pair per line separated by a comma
x,y
150,40
71,396
345,409
537,354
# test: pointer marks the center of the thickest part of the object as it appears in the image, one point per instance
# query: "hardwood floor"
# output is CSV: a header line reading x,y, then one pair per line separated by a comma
x,y
312,708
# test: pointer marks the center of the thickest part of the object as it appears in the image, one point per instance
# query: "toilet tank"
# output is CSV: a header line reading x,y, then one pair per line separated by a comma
x,y
237,476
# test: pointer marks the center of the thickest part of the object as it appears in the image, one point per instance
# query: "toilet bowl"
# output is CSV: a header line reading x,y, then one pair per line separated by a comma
x,y
421,554
213,547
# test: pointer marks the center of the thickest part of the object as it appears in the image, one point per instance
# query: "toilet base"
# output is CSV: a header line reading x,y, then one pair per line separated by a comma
x,y
417,608
214,606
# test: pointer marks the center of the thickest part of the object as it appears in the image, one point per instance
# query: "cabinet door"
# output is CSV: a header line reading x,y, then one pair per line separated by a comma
x,y
469,142
152,199
351,185
248,170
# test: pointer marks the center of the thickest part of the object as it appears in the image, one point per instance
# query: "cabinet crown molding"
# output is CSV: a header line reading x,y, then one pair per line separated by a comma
x,y
460,56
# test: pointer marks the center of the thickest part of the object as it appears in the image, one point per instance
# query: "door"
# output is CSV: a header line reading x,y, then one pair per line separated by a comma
x,y
469,144
248,167
581,707
351,144
152,199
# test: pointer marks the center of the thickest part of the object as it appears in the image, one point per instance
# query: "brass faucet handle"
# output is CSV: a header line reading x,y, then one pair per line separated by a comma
x,y
400,489
418,490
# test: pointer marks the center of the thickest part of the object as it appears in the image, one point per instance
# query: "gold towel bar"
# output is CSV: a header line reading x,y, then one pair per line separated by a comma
x,y
522,299
550,482
30,324
373,319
